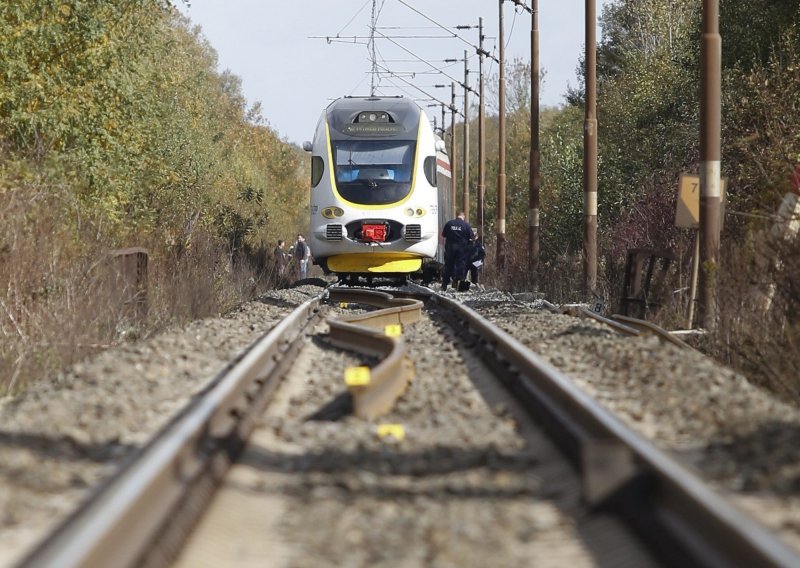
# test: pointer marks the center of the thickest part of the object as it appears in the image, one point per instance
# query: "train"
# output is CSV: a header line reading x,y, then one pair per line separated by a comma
x,y
380,189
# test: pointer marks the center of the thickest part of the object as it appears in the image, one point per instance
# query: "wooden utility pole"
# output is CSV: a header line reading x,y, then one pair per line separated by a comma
x,y
590,154
481,132
535,175
465,196
453,151
501,159
710,161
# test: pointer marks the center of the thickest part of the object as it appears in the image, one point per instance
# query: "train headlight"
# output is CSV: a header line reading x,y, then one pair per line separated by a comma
x,y
331,212
419,212
409,212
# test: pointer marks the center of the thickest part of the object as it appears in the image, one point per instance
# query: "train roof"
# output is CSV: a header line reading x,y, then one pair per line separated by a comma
x,y
373,117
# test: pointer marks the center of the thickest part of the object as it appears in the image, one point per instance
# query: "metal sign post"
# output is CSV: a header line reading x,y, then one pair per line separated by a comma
x,y
687,216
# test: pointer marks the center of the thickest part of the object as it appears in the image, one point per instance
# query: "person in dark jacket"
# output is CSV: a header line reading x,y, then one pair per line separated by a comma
x,y
477,255
301,254
280,257
457,236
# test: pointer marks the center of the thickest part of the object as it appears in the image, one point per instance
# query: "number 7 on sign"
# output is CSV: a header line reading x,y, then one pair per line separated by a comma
x,y
687,212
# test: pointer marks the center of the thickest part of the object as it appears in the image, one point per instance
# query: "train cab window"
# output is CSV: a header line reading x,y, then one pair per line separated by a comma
x,y
373,172
317,169
430,170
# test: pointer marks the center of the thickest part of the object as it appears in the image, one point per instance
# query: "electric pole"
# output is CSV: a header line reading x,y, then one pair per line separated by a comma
x,y
481,132
373,25
535,177
710,162
590,154
501,161
453,151
465,196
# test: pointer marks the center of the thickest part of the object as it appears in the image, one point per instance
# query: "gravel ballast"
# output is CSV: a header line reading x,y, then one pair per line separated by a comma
x,y
472,482
61,438
735,434
467,485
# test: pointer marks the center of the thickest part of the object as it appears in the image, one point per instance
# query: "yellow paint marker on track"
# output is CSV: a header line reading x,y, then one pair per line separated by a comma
x,y
395,431
344,305
393,330
356,376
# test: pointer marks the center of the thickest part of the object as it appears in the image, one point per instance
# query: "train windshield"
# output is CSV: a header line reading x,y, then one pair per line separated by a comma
x,y
373,172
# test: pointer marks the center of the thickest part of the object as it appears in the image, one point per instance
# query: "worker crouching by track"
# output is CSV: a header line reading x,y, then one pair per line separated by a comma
x,y
457,236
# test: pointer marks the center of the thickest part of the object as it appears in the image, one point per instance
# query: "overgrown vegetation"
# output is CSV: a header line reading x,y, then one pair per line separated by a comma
x,y
116,130
648,111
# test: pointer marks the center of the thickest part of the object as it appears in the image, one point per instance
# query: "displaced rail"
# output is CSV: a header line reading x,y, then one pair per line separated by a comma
x,y
680,518
374,390
627,325
134,509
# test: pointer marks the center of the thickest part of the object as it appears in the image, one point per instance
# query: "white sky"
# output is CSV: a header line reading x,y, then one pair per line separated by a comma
x,y
267,44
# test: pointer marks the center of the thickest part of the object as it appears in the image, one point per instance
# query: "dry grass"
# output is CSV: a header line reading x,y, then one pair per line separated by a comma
x,y
62,297
759,302
759,314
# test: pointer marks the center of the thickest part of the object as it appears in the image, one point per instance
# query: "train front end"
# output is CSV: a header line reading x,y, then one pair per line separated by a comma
x,y
374,205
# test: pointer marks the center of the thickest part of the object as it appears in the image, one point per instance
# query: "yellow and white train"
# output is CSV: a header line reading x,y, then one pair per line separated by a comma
x,y
380,188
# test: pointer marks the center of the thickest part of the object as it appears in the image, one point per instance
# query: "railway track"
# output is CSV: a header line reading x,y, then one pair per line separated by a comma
x,y
440,444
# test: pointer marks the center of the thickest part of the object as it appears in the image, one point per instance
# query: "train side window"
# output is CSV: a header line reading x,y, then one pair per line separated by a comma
x,y
430,170
317,169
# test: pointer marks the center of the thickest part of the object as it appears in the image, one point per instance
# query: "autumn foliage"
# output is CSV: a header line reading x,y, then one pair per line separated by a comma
x,y
116,130
648,116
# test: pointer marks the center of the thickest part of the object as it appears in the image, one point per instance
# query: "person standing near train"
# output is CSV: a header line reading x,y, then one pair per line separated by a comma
x,y
280,259
476,257
301,254
457,236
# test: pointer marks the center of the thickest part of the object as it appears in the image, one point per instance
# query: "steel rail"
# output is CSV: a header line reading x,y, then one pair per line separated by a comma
x,y
650,327
123,518
680,517
583,312
628,325
366,333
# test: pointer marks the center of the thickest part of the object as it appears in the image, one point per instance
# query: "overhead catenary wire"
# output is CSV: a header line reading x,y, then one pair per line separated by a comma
x,y
424,61
448,30
511,32
361,82
350,21
407,27
358,37
431,20
331,40
383,69
413,86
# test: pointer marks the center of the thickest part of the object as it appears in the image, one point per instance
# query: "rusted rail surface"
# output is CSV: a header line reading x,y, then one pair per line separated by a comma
x,y
366,333
627,325
650,327
582,312
135,508
680,517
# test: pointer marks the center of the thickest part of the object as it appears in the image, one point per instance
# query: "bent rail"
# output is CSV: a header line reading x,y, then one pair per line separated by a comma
x,y
582,312
627,325
650,327
366,333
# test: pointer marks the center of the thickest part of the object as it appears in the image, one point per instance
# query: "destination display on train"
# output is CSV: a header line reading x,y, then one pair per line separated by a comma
x,y
373,129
